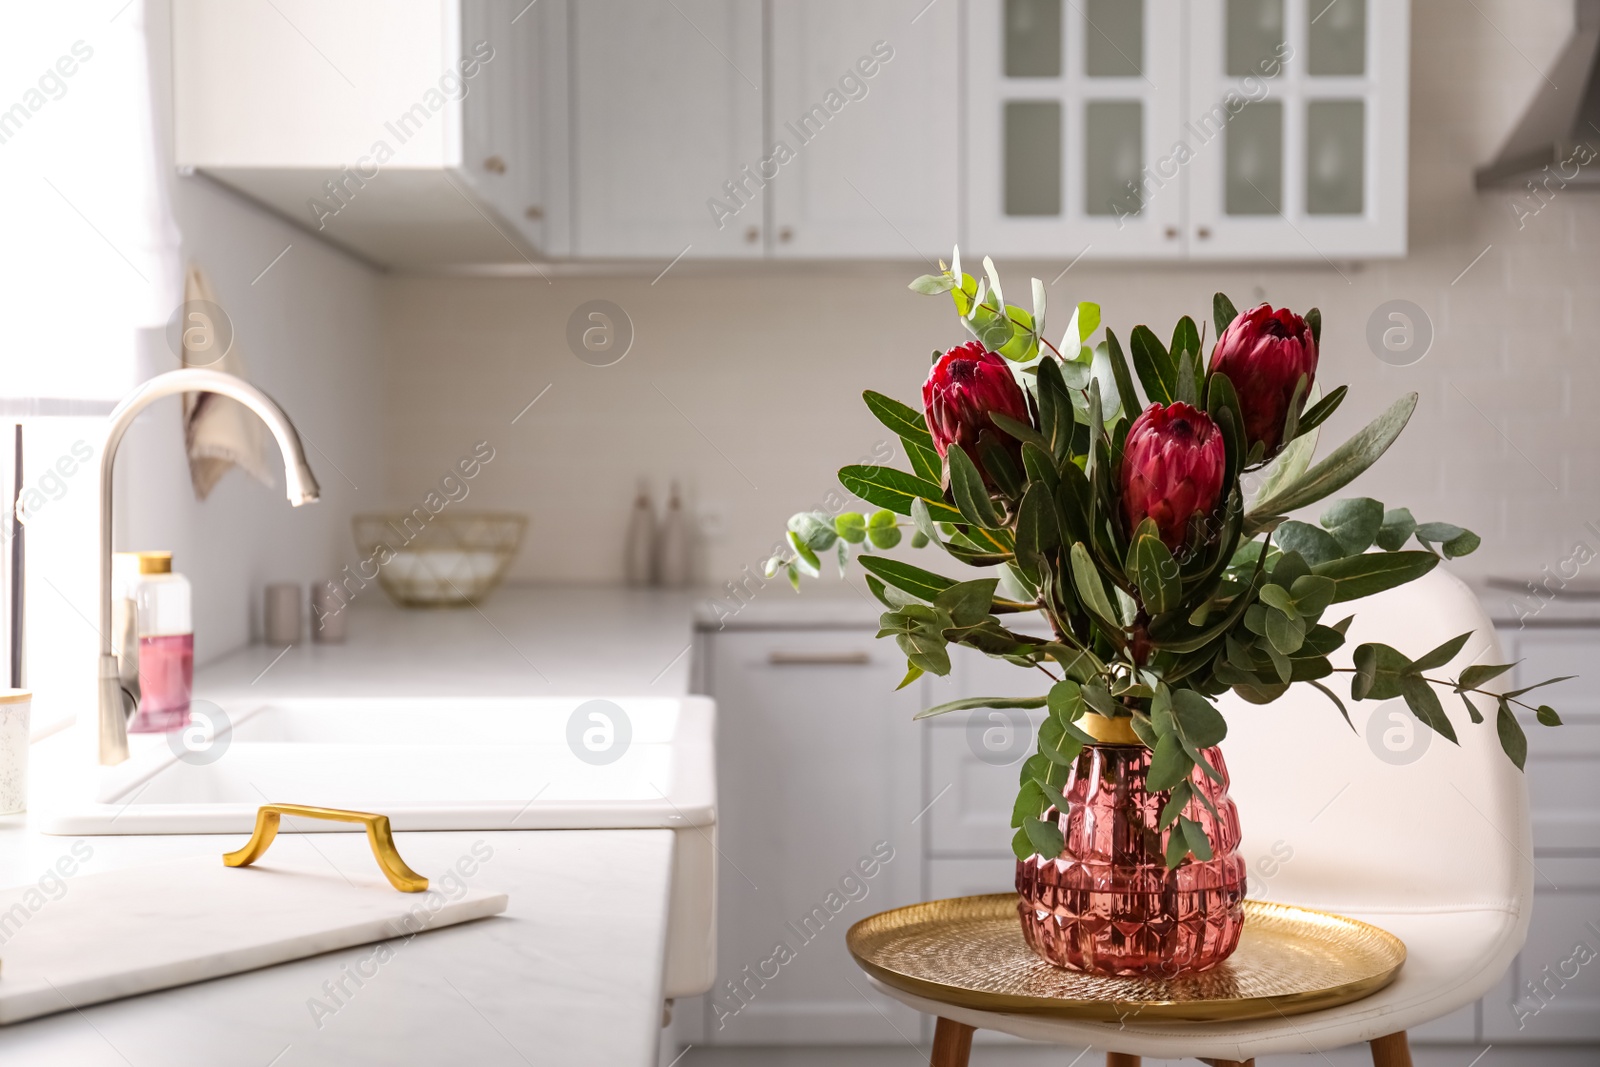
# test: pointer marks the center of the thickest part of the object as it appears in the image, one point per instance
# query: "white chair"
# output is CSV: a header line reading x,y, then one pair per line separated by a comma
x,y
1436,851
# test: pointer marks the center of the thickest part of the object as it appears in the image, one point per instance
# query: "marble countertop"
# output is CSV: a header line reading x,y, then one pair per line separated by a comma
x,y
570,974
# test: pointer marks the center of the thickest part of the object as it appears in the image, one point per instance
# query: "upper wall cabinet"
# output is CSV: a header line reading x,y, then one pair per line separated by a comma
x,y
667,117
863,129
408,131
425,132
1069,102
1311,159
1208,129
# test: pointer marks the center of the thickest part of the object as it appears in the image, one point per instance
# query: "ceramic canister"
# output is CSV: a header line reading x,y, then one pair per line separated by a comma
x,y
14,708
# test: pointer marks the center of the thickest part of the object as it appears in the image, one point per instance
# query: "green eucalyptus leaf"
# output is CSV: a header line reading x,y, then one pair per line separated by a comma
x,y
933,284
1195,837
1031,803
1059,744
1547,716
851,525
1313,593
814,529
1202,725
1512,739
1379,671
1355,523
1475,675
805,559
1177,850
1176,802
1438,657
1452,540
1045,837
1286,634
1424,704
1169,765
967,602
1398,526
1314,544
884,537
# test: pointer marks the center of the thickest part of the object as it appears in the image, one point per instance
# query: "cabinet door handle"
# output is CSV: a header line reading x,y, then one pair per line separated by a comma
x,y
751,235
534,212
818,659
1172,233
786,234
494,165
1204,233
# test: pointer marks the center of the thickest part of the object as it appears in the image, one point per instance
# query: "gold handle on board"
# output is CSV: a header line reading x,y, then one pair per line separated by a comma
x,y
394,868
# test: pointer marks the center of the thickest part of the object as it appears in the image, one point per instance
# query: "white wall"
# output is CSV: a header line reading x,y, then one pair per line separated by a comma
x,y
308,331
765,364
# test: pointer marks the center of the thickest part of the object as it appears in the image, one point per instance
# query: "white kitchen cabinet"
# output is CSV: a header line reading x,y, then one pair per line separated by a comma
x,y
666,125
1303,157
1212,129
1552,991
397,130
1563,765
862,103
819,770
1067,103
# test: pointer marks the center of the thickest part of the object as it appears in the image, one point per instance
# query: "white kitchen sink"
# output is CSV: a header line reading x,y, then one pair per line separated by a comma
x,y
426,763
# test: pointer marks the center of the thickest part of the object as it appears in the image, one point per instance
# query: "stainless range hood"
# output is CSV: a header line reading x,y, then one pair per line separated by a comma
x,y
1561,128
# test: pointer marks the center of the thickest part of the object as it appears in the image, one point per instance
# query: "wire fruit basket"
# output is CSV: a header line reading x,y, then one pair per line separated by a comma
x,y
429,561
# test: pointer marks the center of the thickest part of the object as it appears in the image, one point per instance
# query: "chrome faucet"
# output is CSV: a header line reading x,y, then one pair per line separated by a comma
x,y
302,489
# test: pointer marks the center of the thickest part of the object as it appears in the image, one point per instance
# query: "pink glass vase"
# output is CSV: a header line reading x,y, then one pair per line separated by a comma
x,y
1108,904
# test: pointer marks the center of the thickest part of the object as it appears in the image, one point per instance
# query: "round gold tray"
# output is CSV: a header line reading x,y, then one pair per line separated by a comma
x,y
968,951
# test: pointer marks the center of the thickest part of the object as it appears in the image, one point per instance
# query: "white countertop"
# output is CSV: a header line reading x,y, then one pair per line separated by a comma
x,y
524,641
572,973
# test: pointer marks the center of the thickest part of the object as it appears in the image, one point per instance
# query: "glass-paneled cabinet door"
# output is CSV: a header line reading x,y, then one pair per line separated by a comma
x,y
1298,128
1072,106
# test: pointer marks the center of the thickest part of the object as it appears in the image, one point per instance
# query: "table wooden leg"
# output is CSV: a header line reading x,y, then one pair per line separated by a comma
x,y
952,1044
1391,1051
1121,1059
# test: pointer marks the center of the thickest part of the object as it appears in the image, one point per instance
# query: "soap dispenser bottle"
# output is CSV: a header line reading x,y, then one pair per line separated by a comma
x,y
166,646
672,545
639,554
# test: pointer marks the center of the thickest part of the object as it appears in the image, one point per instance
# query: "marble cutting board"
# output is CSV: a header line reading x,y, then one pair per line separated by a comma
x,y
167,924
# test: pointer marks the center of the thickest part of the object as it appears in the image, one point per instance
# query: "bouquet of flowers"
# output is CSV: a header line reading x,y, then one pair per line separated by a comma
x,y
1152,535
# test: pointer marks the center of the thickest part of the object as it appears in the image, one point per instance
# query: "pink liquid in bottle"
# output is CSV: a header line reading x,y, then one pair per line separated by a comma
x,y
166,678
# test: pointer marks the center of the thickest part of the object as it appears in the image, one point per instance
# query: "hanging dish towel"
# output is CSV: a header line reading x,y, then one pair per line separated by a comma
x,y
217,432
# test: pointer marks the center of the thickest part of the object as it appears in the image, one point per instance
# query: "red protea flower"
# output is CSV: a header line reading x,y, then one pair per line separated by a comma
x,y
1264,352
1172,469
963,388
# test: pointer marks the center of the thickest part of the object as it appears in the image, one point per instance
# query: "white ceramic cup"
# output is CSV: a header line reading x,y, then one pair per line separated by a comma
x,y
14,707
